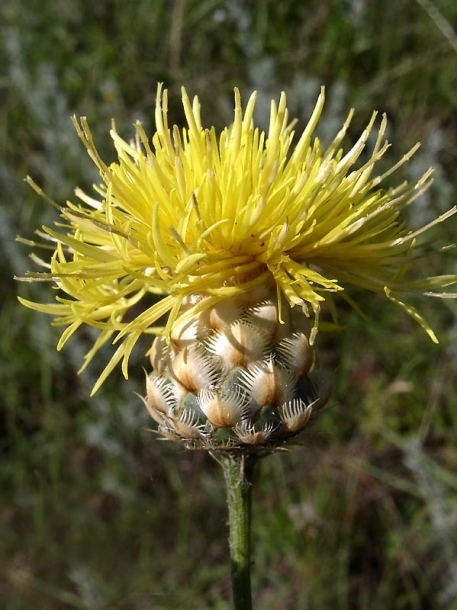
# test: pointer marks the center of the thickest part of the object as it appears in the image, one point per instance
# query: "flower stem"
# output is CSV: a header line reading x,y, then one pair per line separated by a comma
x,y
238,471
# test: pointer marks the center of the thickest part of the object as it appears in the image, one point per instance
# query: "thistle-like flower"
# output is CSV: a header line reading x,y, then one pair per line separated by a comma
x,y
239,238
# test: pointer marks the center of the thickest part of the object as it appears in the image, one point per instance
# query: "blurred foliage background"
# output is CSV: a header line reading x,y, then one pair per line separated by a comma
x,y
95,512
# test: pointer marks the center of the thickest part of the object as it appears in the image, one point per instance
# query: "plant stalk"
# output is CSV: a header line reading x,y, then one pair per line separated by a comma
x,y
238,471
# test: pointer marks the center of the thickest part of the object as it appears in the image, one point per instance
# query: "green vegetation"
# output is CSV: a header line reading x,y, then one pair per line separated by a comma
x,y
95,512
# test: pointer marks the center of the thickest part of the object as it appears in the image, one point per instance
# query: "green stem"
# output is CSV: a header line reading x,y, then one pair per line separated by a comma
x,y
238,471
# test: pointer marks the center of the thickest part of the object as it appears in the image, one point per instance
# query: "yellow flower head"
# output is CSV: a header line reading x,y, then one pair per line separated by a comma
x,y
192,212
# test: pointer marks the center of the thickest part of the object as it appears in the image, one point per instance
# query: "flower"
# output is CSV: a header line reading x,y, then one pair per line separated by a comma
x,y
191,218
